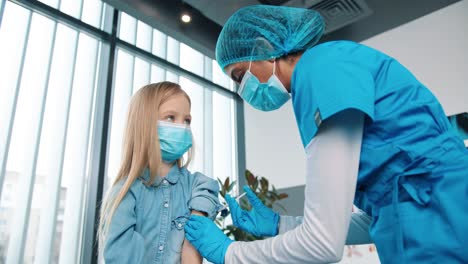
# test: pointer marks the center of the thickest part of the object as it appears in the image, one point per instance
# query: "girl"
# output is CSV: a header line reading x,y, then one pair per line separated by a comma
x,y
144,213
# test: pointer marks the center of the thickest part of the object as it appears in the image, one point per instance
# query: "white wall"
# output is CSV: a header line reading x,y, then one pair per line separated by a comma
x,y
273,146
433,47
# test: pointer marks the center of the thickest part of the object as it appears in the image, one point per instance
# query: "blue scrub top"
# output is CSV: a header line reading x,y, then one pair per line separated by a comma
x,y
413,171
405,124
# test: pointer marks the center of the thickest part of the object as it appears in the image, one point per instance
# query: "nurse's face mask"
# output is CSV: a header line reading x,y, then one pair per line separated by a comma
x,y
174,140
263,96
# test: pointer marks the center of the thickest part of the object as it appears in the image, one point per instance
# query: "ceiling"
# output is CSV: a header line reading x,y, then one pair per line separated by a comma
x,y
354,20
337,13
219,11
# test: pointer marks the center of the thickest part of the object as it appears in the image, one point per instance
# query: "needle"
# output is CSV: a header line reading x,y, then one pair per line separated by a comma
x,y
237,199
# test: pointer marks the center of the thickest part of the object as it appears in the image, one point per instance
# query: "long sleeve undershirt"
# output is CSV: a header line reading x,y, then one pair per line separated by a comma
x,y
358,232
331,175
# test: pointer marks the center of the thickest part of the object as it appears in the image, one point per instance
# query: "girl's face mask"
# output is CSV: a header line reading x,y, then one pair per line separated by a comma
x,y
263,96
174,140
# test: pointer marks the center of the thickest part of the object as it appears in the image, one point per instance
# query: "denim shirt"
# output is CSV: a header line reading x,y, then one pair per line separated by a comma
x,y
148,225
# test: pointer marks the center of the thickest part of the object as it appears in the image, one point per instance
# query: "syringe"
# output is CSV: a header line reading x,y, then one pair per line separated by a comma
x,y
226,206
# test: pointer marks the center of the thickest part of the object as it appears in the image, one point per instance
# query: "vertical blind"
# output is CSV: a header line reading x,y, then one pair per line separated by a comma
x,y
52,97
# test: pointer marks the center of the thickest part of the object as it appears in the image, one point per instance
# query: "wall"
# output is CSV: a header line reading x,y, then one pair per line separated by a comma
x,y
434,48
273,146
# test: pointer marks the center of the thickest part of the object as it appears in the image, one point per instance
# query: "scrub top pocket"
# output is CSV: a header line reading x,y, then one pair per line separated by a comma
x,y
413,229
425,233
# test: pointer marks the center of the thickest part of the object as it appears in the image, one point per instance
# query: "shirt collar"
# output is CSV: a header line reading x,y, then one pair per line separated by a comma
x,y
172,176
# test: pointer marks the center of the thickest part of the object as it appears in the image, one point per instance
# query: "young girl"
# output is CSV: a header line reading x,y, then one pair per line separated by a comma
x,y
144,213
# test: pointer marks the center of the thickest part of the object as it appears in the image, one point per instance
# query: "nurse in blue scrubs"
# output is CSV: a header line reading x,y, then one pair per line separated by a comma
x,y
373,135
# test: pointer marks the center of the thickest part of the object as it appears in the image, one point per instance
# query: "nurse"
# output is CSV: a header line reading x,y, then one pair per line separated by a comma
x,y
372,134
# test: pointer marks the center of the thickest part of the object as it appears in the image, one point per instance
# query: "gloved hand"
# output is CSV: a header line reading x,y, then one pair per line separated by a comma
x,y
207,238
260,221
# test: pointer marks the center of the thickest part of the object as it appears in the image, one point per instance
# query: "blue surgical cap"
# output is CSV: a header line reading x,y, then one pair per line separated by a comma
x,y
263,32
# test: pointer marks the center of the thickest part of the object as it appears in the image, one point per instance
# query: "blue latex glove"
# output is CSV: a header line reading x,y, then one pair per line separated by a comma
x,y
260,221
207,238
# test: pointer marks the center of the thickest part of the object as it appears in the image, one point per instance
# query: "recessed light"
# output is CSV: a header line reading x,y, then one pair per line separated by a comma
x,y
186,18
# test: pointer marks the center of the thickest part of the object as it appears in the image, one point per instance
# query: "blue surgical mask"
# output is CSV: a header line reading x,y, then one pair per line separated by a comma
x,y
174,140
263,96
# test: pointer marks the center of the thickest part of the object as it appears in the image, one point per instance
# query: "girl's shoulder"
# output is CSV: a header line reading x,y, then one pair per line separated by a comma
x,y
193,176
186,175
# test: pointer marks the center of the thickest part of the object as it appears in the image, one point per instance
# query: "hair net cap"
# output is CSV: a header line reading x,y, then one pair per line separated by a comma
x,y
262,32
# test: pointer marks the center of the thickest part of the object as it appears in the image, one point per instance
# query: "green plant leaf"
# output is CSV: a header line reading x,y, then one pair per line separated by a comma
x,y
222,191
250,178
264,184
255,185
226,184
232,186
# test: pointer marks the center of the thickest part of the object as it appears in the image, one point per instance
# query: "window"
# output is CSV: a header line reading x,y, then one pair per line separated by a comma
x,y
88,11
54,82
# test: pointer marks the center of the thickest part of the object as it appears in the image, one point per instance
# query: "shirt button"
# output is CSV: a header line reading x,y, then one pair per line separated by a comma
x,y
165,181
161,247
166,205
179,225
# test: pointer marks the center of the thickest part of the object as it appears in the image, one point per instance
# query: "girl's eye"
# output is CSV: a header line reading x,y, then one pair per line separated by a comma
x,y
170,118
187,121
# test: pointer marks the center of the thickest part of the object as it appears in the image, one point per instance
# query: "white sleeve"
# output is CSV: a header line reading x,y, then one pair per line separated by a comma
x,y
358,232
331,175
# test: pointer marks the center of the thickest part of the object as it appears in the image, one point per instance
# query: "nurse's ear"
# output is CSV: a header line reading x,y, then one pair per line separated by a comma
x,y
273,64
285,67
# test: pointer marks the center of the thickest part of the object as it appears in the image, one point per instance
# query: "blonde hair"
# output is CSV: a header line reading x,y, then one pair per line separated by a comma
x,y
140,148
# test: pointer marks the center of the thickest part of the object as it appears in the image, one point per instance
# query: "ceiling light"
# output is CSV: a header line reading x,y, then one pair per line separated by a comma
x,y
186,18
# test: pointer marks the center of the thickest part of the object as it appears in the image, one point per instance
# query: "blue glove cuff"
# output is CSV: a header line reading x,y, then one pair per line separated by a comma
x,y
276,221
226,244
